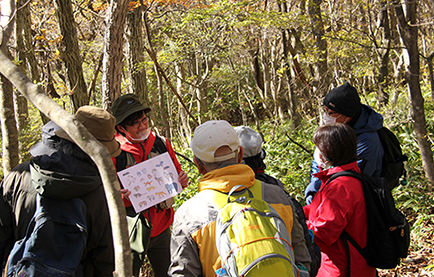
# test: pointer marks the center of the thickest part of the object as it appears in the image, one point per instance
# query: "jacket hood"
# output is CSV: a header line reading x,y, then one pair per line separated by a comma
x,y
223,179
63,177
368,121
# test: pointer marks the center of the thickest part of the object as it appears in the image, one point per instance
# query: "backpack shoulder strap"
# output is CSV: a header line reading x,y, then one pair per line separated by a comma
x,y
344,235
124,160
351,173
121,161
159,145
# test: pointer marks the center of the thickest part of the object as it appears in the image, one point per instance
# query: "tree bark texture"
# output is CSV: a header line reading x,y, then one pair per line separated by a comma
x,y
21,110
431,74
409,35
136,69
70,53
113,52
8,127
321,81
383,52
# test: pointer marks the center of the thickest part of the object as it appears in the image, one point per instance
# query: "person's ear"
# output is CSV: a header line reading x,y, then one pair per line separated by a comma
x,y
121,129
347,119
240,154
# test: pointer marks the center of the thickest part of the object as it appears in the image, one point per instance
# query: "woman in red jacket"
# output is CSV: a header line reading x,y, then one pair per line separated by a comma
x,y
339,205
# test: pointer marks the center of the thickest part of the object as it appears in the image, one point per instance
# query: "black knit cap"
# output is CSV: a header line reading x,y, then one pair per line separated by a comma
x,y
343,99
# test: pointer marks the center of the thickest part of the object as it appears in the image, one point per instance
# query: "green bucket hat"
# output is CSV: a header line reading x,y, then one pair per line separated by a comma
x,y
126,105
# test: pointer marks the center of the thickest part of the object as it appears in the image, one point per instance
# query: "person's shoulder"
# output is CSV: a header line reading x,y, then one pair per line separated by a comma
x,y
197,210
22,167
18,178
274,194
368,121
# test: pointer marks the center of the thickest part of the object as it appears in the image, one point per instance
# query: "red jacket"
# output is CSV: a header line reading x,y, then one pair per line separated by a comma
x,y
336,207
162,219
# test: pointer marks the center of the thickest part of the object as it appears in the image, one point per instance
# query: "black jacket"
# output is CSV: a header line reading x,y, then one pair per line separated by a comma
x,y
60,177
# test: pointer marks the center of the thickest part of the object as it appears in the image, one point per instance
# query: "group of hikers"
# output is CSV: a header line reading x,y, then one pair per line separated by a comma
x,y
189,242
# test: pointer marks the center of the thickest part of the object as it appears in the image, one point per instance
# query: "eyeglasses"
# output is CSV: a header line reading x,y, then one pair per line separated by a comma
x,y
138,123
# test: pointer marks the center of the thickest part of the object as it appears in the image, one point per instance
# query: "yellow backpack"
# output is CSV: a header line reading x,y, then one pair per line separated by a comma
x,y
251,237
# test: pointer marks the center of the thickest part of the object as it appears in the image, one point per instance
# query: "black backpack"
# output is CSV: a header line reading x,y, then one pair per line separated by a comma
x,y
388,229
54,243
393,159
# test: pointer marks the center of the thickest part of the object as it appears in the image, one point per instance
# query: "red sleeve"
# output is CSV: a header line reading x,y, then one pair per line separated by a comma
x,y
330,216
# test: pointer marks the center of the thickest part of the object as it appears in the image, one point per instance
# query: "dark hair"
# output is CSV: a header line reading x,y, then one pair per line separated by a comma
x,y
337,142
255,162
129,120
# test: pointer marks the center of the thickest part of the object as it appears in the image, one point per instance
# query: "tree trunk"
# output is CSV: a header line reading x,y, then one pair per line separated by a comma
x,y
161,104
383,51
8,127
135,56
431,74
258,73
24,14
70,53
113,54
20,102
409,35
184,127
321,81
292,100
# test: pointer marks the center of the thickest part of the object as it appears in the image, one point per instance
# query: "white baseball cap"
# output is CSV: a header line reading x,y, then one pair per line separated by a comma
x,y
210,136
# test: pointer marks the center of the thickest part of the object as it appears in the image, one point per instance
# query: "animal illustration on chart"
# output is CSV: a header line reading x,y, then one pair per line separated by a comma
x,y
170,187
136,195
142,203
151,198
150,188
139,174
161,194
149,176
137,188
148,183
130,180
169,177
158,178
144,171
166,174
160,164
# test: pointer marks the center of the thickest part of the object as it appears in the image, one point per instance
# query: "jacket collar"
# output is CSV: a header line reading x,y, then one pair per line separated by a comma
x,y
223,179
